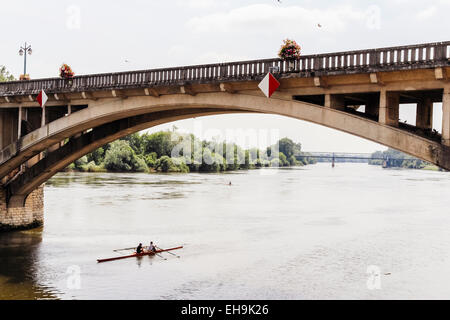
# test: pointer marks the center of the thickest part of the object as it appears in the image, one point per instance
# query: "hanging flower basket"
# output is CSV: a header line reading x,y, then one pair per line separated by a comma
x,y
24,77
290,50
66,72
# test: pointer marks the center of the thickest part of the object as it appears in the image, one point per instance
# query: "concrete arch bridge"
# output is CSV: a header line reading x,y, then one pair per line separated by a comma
x,y
358,92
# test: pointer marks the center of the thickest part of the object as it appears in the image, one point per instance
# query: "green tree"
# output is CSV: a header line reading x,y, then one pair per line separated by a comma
x,y
135,140
121,157
80,163
150,159
289,147
167,164
283,160
98,155
293,161
247,162
5,75
159,142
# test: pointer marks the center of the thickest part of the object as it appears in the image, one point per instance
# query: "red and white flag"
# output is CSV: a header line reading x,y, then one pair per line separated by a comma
x,y
42,98
268,85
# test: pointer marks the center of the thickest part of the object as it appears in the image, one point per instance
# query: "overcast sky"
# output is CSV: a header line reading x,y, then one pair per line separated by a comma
x,y
105,36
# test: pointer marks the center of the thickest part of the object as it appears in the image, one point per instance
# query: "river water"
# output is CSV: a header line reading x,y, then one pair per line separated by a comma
x,y
350,232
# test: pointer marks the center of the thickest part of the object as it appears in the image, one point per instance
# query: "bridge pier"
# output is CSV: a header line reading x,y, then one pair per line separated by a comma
x,y
424,114
389,108
372,108
8,126
446,116
29,215
334,101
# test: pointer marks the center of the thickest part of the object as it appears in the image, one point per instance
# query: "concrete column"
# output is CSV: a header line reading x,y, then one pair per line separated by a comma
x,y
19,123
1,130
69,109
334,102
446,116
372,108
43,116
9,118
424,114
389,108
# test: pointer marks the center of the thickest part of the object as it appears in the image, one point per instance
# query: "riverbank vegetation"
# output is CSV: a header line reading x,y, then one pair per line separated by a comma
x,y
396,159
170,151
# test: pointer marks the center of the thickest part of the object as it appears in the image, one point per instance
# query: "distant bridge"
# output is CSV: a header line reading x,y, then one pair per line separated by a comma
x,y
358,92
345,156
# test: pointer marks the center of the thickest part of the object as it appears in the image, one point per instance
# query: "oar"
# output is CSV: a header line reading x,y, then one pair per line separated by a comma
x,y
159,255
169,252
124,249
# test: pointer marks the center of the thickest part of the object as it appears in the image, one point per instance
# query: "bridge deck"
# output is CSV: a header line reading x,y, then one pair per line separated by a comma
x,y
421,56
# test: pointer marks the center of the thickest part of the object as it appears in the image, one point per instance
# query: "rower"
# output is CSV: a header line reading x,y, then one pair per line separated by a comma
x,y
139,248
151,247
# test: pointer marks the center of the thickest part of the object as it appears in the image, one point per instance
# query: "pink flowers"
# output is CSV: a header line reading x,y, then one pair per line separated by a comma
x,y
289,50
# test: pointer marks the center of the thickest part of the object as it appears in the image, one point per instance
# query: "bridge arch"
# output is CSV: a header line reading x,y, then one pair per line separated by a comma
x,y
111,119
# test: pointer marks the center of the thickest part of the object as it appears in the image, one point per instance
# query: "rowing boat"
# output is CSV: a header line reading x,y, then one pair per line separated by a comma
x,y
139,254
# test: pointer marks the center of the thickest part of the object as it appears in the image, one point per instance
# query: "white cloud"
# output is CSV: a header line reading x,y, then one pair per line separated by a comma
x,y
426,13
275,19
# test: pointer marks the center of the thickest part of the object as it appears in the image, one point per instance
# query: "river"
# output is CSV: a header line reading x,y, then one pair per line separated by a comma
x,y
350,232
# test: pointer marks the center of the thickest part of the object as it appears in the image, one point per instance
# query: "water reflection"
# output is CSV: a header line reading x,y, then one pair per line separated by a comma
x,y
19,259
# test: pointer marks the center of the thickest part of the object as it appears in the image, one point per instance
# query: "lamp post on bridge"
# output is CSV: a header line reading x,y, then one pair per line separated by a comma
x,y
23,52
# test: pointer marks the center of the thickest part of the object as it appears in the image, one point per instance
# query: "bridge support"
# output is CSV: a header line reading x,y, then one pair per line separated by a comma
x,y
334,102
446,116
8,126
29,215
372,108
389,108
424,114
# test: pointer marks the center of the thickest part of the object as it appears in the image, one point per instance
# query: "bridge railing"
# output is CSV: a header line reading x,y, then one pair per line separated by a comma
x,y
392,58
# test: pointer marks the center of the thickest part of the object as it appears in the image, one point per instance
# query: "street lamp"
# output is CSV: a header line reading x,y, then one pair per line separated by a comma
x,y
23,52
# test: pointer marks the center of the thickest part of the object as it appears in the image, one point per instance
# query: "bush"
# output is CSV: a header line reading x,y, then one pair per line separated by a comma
x,y
275,163
283,160
80,163
180,164
121,157
97,156
167,164
151,159
92,167
294,162
139,164
212,162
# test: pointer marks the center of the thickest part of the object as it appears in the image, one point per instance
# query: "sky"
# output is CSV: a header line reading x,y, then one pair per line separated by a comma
x,y
107,36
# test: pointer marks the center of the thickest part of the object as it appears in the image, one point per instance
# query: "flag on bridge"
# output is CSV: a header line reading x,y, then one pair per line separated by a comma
x,y
42,98
268,85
